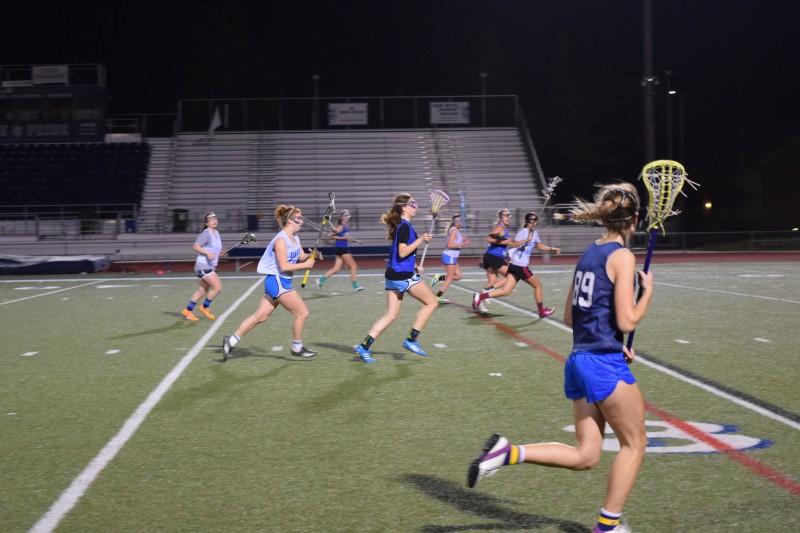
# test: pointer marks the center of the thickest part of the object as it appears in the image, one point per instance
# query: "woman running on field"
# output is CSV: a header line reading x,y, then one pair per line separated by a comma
x,y
518,270
455,241
281,259
343,254
208,246
600,308
402,276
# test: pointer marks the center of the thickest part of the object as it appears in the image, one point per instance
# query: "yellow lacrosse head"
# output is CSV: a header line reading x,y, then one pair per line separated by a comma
x,y
664,180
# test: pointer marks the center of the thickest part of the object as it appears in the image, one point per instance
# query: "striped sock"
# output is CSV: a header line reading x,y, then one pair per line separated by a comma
x,y
516,455
191,305
234,340
608,520
207,303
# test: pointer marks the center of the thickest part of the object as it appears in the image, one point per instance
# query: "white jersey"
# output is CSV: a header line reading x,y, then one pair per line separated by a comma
x,y
211,241
459,239
269,264
521,255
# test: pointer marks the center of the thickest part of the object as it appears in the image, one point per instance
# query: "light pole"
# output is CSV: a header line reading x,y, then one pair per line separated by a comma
x,y
483,98
649,82
315,106
670,93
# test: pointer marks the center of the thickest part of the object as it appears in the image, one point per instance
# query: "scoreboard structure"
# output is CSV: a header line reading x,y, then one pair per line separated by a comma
x,y
53,103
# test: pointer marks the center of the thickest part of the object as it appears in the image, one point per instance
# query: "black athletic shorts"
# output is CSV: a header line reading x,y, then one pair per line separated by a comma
x,y
519,273
495,262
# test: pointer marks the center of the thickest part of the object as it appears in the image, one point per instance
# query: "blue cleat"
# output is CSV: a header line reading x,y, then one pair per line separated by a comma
x,y
365,354
414,347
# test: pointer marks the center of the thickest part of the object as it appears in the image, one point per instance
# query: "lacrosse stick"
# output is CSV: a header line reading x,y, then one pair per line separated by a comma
x,y
549,192
664,180
438,200
463,214
326,219
332,231
247,239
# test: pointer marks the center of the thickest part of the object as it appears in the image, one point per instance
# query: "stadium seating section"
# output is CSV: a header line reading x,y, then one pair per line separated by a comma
x,y
72,173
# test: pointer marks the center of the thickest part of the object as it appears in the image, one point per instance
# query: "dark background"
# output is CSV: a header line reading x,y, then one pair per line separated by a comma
x,y
576,65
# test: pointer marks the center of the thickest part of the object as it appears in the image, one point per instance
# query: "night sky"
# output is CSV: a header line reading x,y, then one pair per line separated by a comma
x,y
576,65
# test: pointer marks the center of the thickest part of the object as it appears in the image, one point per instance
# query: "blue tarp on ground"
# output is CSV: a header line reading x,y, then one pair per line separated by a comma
x,y
52,264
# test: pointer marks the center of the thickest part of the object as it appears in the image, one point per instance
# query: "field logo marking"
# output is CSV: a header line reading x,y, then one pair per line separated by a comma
x,y
663,438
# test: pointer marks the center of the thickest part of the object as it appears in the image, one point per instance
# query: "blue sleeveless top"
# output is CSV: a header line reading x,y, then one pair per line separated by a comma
x,y
343,243
397,267
498,249
594,320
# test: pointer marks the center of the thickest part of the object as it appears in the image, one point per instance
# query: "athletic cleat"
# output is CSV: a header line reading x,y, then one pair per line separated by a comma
x,y
476,301
188,314
206,311
414,347
358,289
226,348
365,354
482,307
304,352
547,312
319,285
622,528
489,460
437,278
442,300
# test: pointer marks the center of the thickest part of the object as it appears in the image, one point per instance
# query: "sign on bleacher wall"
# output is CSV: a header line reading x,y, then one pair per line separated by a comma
x,y
450,113
347,114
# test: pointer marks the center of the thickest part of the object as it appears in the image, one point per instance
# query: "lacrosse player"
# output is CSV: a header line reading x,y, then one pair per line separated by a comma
x,y
343,254
600,308
518,270
402,277
208,246
283,256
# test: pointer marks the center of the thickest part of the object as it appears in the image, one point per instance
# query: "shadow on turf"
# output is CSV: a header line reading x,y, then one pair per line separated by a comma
x,y
350,350
476,503
241,353
155,331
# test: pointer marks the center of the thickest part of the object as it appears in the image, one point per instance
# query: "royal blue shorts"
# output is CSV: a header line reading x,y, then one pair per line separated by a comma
x,y
274,286
593,376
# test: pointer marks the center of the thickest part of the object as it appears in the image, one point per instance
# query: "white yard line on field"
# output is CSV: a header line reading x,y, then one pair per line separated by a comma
x,y
49,521
51,292
709,388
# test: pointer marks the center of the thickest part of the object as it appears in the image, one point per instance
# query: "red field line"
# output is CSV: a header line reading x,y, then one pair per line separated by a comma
x,y
763,470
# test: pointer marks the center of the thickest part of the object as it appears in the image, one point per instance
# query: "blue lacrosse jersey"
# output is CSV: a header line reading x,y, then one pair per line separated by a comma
x,y
499,249
594,321
401,268
343,243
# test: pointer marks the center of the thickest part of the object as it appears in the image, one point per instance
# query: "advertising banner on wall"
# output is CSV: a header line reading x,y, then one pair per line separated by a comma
x,y
72,131
450,113
50,74
350,114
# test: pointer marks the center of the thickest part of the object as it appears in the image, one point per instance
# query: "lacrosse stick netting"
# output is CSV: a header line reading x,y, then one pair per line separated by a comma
x,y
439,199
326,220
664,180
549,192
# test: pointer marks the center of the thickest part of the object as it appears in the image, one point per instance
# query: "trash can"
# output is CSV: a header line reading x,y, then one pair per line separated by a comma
x,y
180,220
252,222
130,225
